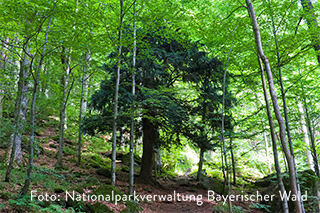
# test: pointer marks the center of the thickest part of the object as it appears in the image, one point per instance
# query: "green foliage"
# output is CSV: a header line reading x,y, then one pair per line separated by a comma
x,y
24,204
180,163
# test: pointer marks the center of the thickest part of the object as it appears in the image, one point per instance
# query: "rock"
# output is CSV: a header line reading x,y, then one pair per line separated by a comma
x,y
212,184
104,172
107,181
126,160
98,207
97,161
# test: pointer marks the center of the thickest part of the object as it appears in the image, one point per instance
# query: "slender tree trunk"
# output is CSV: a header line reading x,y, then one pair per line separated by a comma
x,y
312,24
23,83
313,146
34,97
131,181
3,62
227,180
83,102
233,161
115,110
122,138
66,61
284,100
305,135
292,170
311,133
267,151
19,115
285,206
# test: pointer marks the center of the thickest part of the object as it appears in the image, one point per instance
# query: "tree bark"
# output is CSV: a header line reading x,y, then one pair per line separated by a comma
x,y
313,146
66,61
233,161
20,125
305,135
200,164
284,98
312,23
131,180
227,179
267,151
3,62
115,110
34,97
15,153
292,170
285,206
83,102
150,135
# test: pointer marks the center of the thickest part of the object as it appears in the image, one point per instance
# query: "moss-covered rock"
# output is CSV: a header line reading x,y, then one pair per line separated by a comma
x,y
97,208
126,160
107,190
212,184
104,172
97,161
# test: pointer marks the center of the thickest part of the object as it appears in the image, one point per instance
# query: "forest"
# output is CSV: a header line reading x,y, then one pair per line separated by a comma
x,y
159,106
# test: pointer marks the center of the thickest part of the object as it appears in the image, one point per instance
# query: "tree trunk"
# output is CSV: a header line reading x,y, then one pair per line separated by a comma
x,y
83,101
267,152
150,135
115,110
305,136
284,100
313,146
233,161
66,61
122,138
131,180
34,97
292,170
312,23
17,139
285,207
200,164
15,153
227,180
3,62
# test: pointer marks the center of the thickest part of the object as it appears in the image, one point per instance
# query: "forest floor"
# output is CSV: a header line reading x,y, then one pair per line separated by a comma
x,y
188,196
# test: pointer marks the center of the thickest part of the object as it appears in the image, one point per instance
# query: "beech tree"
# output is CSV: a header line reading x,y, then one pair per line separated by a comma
x,y
290,159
